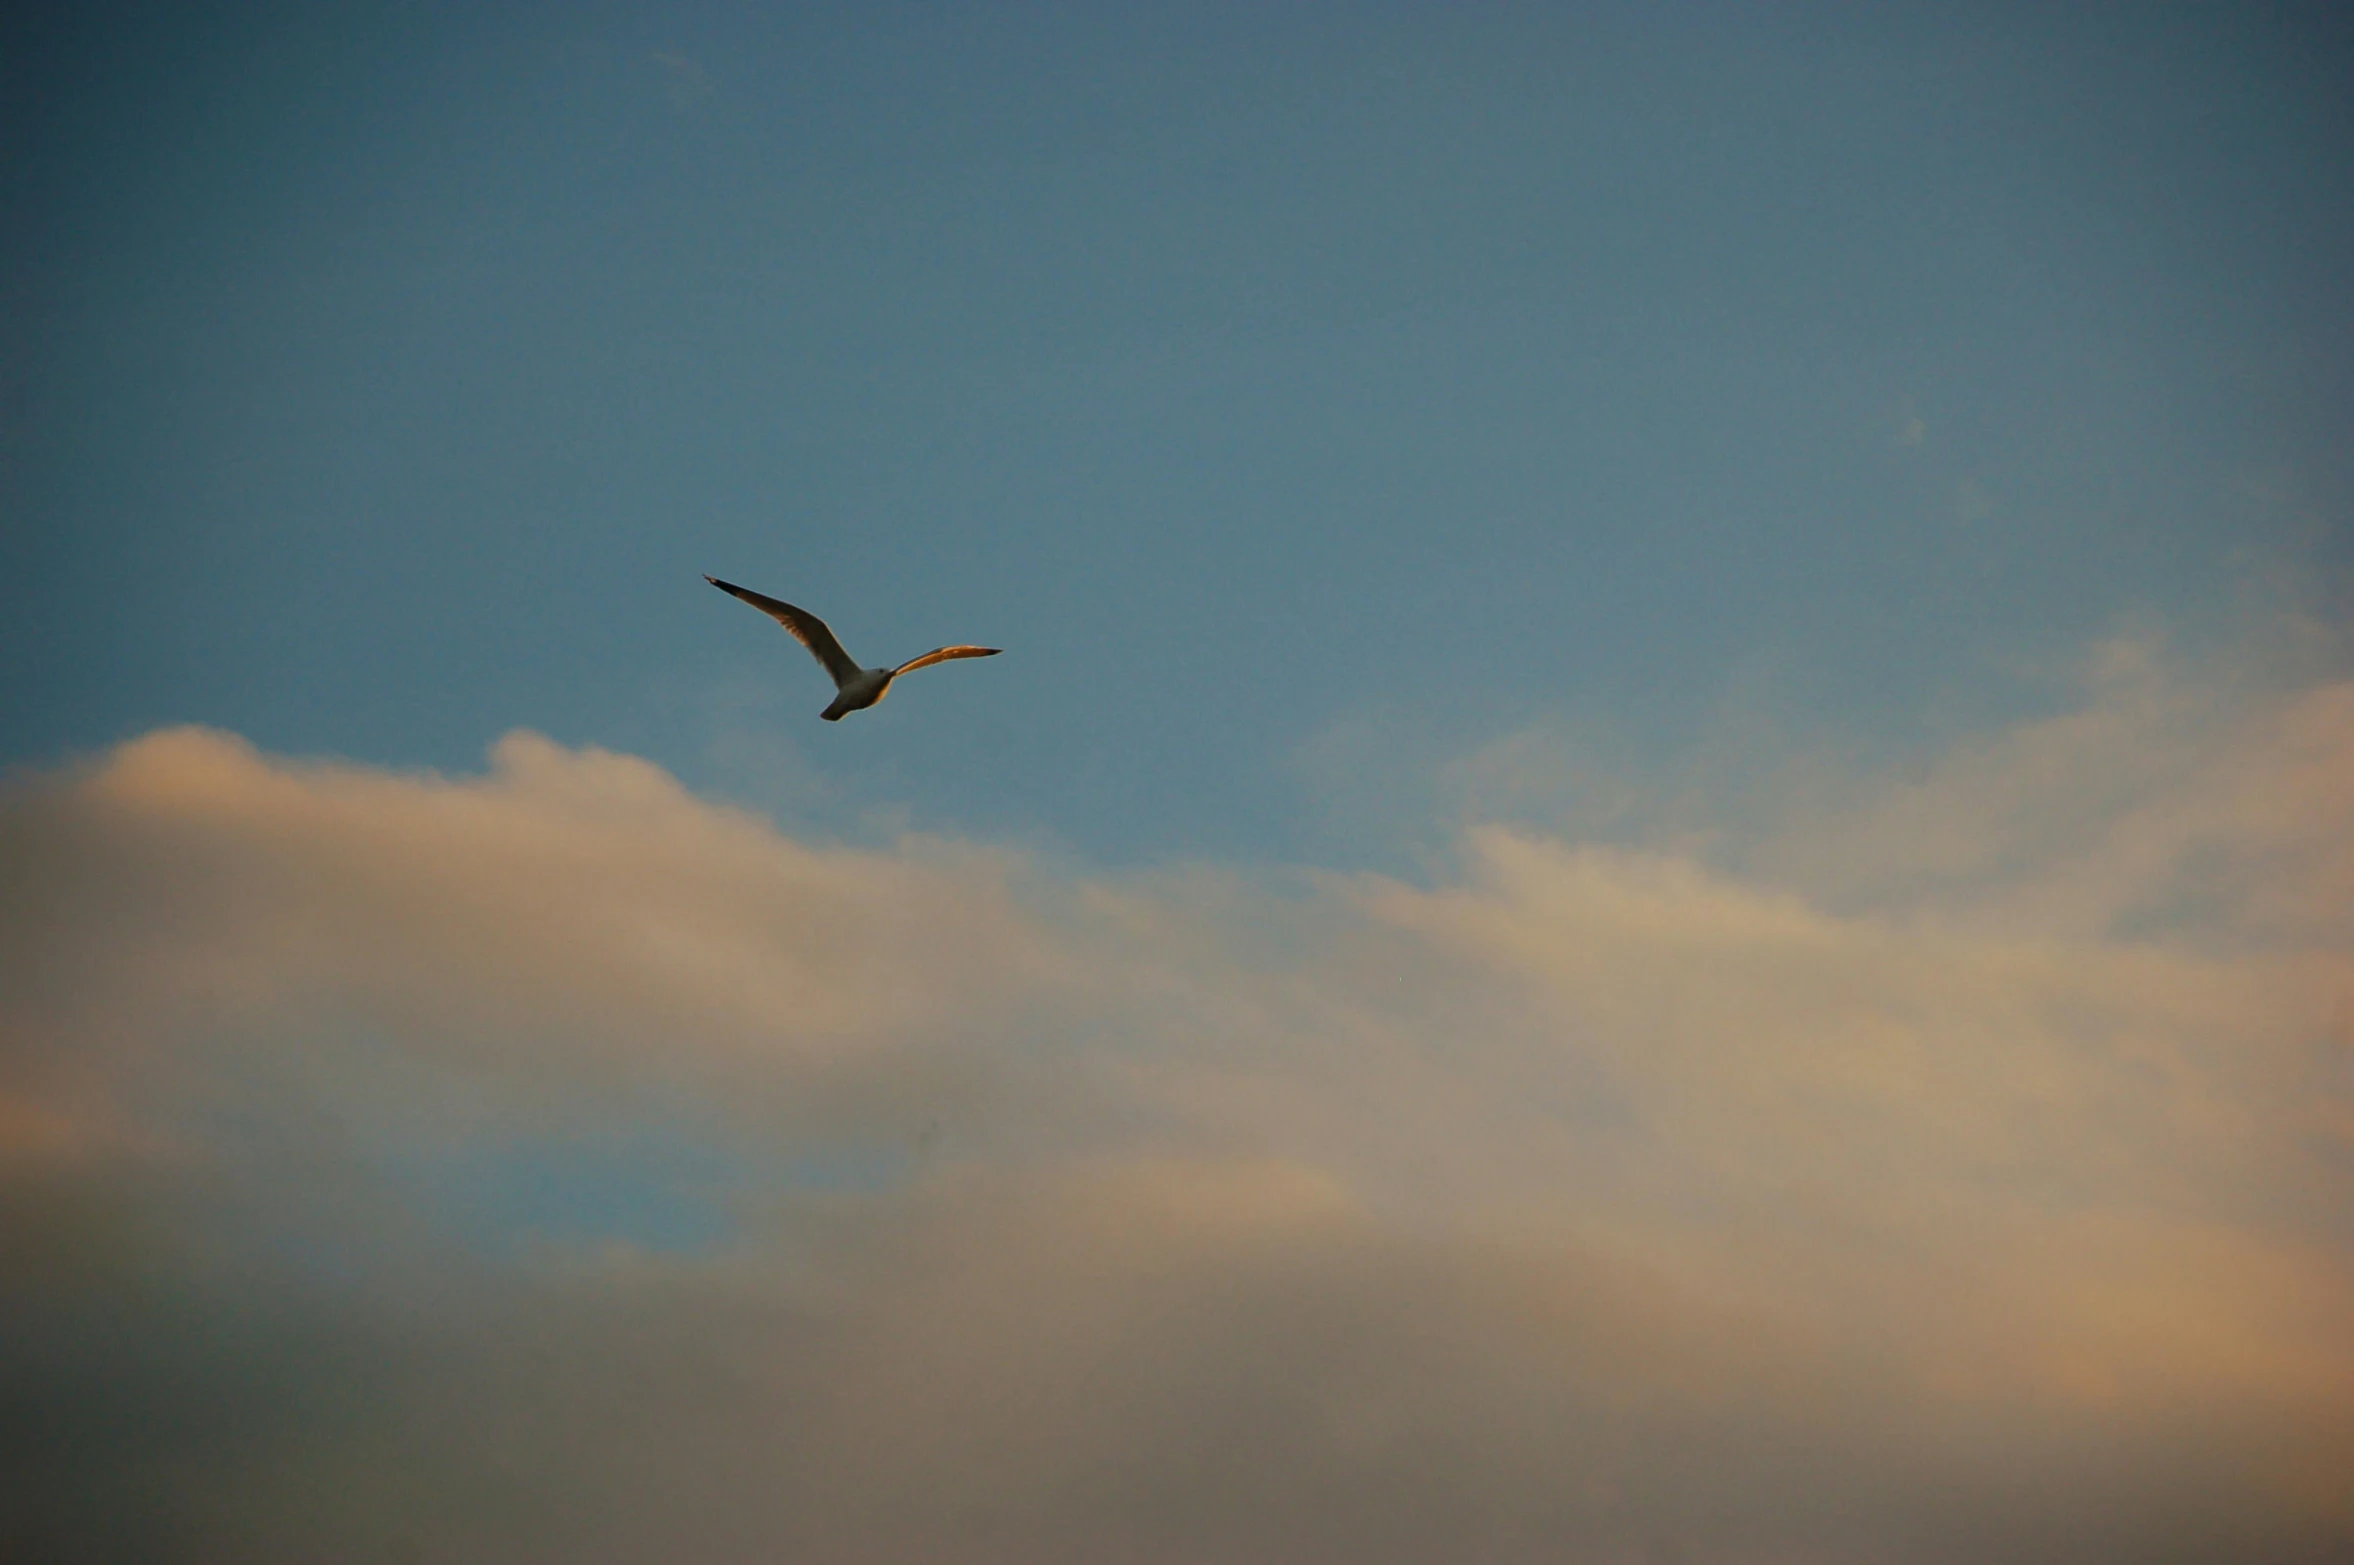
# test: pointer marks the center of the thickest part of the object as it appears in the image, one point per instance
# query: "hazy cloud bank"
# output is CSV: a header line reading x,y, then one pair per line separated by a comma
x,y
555,1165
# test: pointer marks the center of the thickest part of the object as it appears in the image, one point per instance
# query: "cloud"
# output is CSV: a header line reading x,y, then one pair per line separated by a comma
x,y
553,1164
2215,808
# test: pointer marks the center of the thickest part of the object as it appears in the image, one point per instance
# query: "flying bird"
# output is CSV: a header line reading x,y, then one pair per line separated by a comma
x,y
856,688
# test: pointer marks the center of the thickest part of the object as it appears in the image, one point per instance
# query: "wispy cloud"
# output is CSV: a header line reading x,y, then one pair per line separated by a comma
x,y
1963,1175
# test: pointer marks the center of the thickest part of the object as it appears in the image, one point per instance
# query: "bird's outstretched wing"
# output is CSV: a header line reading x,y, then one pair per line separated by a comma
x,y
942,655
806,627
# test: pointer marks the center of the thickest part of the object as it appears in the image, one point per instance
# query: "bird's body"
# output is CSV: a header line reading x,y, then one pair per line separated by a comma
x,y
855,688
862,690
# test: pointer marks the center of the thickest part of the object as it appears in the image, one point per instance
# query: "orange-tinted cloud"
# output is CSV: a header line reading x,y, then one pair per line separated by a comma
x,y
1967,1176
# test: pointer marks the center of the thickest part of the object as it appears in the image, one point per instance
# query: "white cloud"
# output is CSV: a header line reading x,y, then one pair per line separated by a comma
x,y
1960,1174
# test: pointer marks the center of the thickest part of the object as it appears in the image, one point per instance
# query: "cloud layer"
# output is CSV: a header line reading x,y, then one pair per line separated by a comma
x,y
555,1165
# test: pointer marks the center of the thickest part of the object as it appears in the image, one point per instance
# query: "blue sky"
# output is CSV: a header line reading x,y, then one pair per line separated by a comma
x,y
1662,866
386,381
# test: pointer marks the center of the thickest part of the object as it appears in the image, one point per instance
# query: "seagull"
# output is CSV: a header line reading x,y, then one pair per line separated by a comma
x,y
858,688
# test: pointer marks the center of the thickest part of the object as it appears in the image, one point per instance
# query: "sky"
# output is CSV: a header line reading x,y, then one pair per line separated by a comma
x,y
1661,869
